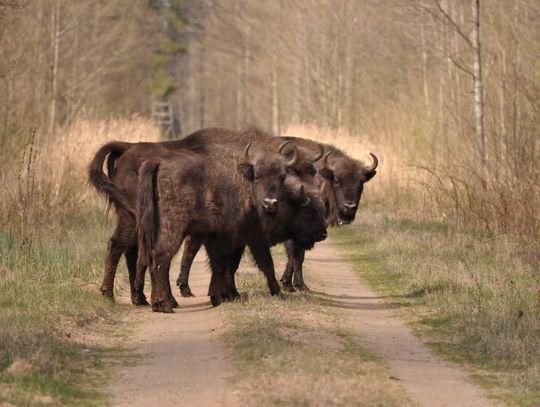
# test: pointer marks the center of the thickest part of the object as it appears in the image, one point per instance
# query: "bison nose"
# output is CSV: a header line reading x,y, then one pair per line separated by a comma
x,y
270,205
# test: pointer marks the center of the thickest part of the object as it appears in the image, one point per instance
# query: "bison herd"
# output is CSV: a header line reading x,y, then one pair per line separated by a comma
x,y
226,190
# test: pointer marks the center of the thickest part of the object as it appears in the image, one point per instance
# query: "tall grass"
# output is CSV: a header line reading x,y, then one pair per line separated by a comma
x,y
447,184
44,179
52,239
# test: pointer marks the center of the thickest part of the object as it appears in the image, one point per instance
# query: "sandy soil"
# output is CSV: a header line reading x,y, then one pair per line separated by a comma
x,y
184,362
426,378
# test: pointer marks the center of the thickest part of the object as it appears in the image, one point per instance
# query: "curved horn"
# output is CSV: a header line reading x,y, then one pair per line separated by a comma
x,y
375,163
319,154
282,146
294,158
325,160
246,152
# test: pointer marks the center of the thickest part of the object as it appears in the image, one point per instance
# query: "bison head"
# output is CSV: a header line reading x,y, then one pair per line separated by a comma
x,y
304,215
346,177
266,172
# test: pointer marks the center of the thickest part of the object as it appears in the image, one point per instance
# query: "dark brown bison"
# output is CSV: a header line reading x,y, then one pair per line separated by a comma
x,y
184,193
123,161
342,178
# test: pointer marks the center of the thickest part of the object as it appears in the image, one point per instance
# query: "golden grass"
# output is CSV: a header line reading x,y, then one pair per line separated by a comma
x,y
48,179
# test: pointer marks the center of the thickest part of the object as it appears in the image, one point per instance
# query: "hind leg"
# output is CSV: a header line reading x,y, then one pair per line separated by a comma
x,y
191,248
159,270
118,244
137,287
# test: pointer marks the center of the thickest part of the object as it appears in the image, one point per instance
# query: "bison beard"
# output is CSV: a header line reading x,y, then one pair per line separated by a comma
x,y
184,194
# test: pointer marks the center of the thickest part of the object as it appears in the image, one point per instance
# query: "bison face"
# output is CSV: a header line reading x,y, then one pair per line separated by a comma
x,y
306,217
266,173
347,178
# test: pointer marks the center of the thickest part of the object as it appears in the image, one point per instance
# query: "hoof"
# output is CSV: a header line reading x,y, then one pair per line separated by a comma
x,y
301,287
231,296
216,300
139,300
274,291
185,290
172,302
107,294
287,286
162,306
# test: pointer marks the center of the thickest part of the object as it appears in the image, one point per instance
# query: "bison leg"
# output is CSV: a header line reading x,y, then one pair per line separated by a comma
x,y
263,259
118,244
298,261
191,248
234,261
219,261
286,278
137,292
159,274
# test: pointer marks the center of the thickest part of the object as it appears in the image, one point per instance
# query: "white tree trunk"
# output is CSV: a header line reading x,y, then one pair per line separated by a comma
x,y
478,84
56,46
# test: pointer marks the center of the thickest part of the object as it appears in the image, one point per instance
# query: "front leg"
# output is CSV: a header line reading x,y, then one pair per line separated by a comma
x,y
286,278
261,253
298,262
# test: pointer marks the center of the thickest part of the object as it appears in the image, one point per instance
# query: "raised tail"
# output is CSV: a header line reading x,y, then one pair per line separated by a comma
x,y
101,181
147,215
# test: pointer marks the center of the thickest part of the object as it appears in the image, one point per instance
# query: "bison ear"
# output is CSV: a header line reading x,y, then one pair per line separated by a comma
x,y
327,173
369,175
247,170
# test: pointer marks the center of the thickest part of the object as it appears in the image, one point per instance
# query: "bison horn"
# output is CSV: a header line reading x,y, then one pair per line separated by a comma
x,y
373,166
246,152
325,160
282,146
319,154
294,158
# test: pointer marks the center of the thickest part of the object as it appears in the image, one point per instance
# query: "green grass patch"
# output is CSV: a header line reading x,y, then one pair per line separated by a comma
x,y
474,297
55,324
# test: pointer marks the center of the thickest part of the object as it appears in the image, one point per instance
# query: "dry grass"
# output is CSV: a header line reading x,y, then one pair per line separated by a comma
x,y
47,181
448,186
473,296
52,240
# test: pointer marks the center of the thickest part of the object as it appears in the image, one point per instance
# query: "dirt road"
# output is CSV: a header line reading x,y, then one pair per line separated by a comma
x,y
426,378
187,362
184,360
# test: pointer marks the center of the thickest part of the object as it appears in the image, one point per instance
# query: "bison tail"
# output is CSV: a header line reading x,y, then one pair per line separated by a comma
x,y
101,181
147,215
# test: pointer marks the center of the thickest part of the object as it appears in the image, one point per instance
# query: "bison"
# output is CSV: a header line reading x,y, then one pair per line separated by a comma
x,y
123,161
185,193
342,178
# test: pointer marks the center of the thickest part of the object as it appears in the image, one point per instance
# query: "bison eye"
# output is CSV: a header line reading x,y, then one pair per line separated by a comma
x,y
282,178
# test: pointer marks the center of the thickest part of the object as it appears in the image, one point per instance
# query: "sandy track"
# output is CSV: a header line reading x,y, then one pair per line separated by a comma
x,y
185,361
426,378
